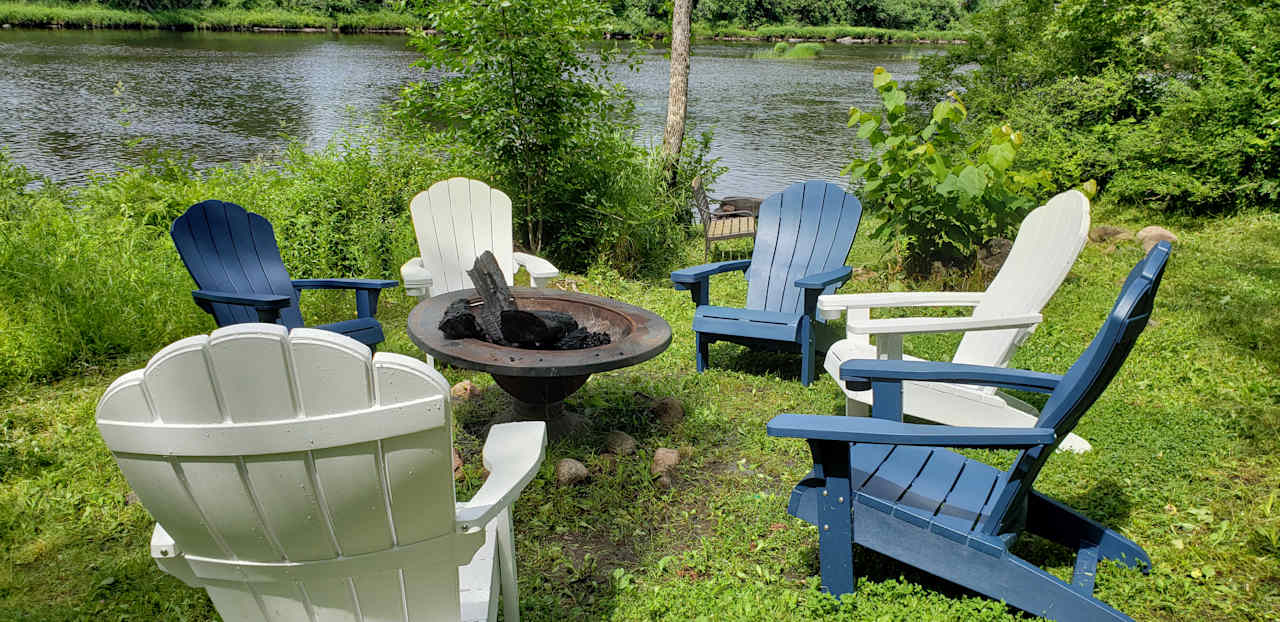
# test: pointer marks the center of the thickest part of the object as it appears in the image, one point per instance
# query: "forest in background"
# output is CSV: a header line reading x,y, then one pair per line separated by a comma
x,y
634,17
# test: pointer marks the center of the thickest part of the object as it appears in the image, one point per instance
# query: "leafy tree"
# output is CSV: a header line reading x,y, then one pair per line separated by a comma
x,y
520,86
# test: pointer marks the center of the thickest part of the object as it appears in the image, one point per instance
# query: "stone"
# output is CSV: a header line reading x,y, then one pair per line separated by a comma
x,y
1102,233
1150,236
464,391
570,472
664,461
845,40
457,464
668,411
620,443
993,253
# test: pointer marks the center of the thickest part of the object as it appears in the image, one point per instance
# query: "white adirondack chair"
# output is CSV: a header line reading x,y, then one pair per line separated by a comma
x,y
294,477
1048,241
455,221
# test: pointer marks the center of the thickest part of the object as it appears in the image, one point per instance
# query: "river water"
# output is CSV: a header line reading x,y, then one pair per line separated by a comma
x,y
71,101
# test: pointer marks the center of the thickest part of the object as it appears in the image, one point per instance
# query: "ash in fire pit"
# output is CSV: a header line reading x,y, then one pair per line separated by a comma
x,y
497,320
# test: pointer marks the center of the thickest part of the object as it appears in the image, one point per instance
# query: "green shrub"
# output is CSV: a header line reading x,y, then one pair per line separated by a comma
x,y
1170,106
523,92
938,201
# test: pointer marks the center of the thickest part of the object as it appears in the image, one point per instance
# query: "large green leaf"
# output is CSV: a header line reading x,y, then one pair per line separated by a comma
x,y
972,181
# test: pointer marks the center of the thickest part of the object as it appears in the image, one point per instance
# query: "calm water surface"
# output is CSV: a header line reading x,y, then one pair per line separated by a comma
x,y
70,101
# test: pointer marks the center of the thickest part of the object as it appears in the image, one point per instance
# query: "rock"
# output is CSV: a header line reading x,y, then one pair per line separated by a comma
x,y
457,464
664,461
620,443
1149,236
570,472
845,40
993,252
668,411
1102,233
664,481
464,391
131,498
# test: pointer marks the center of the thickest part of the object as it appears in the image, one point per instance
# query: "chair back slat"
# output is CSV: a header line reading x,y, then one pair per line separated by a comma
x,y
226,248
1048,242
455,221
334,500
1084,382
806,229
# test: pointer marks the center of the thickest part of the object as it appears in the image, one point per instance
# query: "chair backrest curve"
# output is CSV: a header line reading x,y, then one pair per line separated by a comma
x,y
1048,242
255,447
1084,382
806,229
226,248
455,221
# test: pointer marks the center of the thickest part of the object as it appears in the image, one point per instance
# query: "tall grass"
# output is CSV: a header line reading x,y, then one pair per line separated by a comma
x,y
91,273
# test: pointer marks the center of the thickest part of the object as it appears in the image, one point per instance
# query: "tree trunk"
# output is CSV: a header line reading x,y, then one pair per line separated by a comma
x,y
678,92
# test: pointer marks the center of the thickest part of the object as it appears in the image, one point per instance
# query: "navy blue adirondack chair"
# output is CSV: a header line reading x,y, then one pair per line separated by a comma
x,y
232,255
802,239
890,486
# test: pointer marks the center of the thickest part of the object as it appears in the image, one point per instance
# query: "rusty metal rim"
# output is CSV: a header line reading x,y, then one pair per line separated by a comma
x,y
649,336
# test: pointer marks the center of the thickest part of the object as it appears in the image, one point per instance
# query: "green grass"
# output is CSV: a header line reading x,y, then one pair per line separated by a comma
x,y
93,16
799,51
1185,463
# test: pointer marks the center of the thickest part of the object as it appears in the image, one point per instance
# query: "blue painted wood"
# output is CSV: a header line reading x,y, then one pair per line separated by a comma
x,y
835,518
232,255
803,235
858,374
956,517
871,430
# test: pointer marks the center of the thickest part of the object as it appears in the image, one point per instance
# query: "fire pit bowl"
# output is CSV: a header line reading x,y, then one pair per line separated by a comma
x,y
540,380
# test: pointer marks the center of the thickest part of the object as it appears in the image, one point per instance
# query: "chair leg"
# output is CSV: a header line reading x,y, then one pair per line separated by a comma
x,y
507,567
703,345
835,518
806,347
854,408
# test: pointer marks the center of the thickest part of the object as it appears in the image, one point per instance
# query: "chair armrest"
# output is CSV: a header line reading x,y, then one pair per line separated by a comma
x,y
858,373
832,305
823,280
921,325
268,306
880,431
417,280
367,291
541,272
512,453
687,276
344,283
697,278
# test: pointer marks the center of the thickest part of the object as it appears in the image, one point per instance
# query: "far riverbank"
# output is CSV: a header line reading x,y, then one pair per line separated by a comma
x,y
33,15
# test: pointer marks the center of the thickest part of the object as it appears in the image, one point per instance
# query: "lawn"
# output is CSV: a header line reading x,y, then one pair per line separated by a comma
x,y
1185,463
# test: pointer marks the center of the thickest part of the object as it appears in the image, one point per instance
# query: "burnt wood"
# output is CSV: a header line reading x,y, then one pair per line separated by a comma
x,y
533,328
487,276
459,322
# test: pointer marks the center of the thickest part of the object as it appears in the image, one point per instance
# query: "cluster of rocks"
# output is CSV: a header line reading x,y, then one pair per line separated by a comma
x,y
668,412
1147,236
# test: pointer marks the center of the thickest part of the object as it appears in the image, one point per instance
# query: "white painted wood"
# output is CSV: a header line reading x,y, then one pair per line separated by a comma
x,y
456,220
1046,246
299,478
